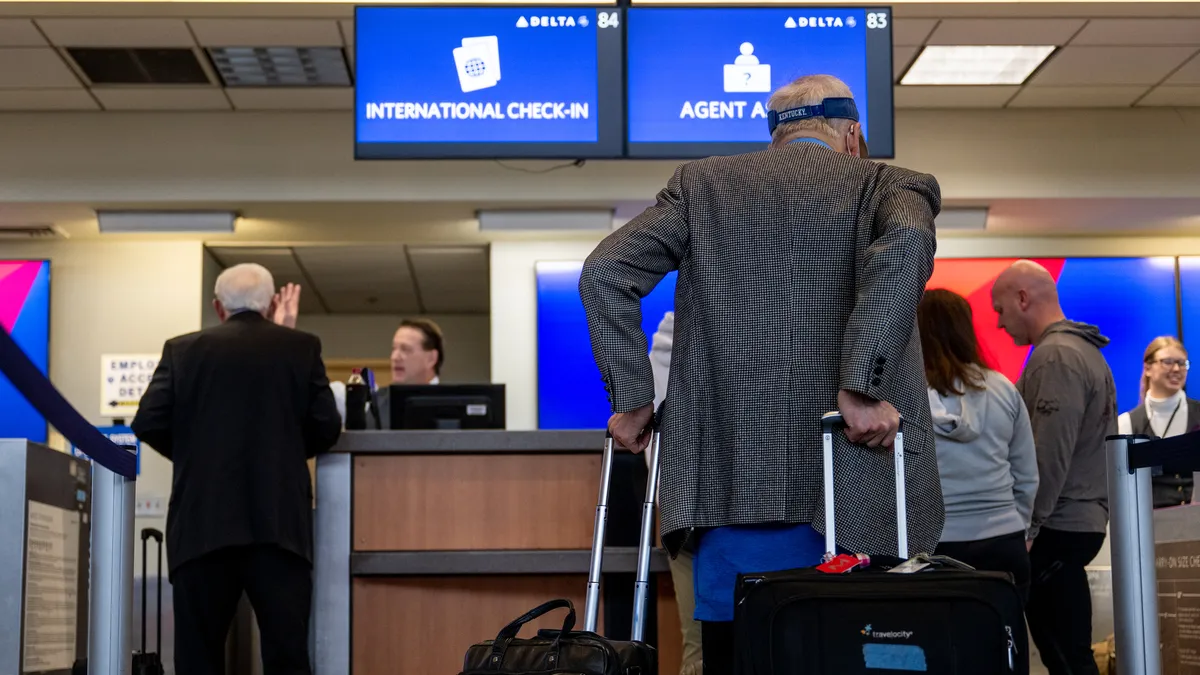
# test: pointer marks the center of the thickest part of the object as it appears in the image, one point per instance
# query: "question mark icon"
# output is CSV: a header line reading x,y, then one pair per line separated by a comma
x,y
747,77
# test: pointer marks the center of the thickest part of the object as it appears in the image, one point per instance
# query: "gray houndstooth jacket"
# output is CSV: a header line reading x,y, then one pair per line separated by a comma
x,y
800,270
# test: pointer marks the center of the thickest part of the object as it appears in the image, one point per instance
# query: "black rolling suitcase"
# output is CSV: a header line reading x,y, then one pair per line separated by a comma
x,y
144,662
945,618
585,652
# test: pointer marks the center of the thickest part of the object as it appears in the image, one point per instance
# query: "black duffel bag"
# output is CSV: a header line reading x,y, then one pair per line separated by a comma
x,y
570,652
558,651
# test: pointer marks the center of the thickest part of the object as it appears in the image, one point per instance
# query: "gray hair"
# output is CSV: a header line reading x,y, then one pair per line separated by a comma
x,y
247,287
808,90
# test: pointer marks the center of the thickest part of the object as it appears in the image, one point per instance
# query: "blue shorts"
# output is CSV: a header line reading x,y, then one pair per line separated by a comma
x,y
724,552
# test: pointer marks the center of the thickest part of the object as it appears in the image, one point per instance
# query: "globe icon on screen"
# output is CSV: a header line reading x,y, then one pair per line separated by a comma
x,y
475,67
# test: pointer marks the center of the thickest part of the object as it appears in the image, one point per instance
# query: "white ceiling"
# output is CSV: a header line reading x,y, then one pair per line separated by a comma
x,y
375,279
1103,60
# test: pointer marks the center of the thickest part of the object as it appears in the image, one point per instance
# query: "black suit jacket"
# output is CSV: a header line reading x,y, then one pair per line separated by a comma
x,y
238,409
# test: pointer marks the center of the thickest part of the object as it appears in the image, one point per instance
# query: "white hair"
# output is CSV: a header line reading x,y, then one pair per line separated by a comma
x,y
248,287
808,90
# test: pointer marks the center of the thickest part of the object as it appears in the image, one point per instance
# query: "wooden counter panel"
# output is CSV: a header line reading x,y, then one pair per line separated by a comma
x,y
474,502
425,624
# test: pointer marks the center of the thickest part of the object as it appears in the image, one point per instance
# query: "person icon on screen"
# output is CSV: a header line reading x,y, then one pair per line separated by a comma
x,y
746,74
747,58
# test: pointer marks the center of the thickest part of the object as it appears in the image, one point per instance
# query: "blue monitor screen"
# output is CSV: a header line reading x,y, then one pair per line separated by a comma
x,y
25,314
488,82
570,392
699,78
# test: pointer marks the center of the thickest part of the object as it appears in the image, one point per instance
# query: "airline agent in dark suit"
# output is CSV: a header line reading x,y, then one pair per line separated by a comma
x,y
238,409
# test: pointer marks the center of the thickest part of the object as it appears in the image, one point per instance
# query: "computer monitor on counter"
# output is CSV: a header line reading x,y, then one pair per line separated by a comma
x,y
447,406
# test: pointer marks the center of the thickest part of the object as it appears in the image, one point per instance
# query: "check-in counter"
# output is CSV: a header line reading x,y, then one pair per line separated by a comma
x,y
430,541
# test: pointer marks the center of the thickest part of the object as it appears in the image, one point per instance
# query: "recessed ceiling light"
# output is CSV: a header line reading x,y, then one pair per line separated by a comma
x,y
281,66
975,65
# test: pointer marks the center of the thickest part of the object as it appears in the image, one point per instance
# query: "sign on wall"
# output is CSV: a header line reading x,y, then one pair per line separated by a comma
x,y
123,380
121,436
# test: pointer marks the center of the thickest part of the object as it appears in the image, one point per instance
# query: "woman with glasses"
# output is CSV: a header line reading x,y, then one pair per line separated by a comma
x,y
1165,411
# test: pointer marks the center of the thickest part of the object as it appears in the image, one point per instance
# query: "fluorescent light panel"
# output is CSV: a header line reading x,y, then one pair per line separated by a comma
x,y
970,65
577,220
166,221
962,218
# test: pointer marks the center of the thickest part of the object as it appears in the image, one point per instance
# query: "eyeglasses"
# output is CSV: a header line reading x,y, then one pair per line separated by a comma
x,y
1171,363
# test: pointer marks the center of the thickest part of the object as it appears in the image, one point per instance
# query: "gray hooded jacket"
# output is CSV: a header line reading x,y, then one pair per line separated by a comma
x,y
986,459
1072,401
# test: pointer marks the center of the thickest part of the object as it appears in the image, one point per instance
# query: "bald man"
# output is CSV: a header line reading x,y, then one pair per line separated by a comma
x,y
1069,391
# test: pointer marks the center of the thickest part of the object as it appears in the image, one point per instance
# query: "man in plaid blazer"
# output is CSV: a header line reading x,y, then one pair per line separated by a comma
x,y
800,269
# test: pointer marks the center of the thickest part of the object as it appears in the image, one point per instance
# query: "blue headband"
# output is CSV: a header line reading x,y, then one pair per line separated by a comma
x,y
842,108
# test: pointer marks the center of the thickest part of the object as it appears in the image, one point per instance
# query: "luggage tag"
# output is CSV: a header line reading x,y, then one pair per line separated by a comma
x,y
910,566
843,564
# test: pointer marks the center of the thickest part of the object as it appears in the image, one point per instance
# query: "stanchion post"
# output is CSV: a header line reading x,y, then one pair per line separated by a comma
x,y
110,641
1135,583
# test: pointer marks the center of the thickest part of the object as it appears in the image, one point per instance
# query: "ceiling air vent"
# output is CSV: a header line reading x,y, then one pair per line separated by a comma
x,y
28,233
281,66
139,66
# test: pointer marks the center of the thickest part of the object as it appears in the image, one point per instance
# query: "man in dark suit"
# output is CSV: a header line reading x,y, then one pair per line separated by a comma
x,y
238,409
800,270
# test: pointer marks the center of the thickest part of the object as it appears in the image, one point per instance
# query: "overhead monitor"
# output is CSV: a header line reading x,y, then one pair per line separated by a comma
x,y
488,82
698,78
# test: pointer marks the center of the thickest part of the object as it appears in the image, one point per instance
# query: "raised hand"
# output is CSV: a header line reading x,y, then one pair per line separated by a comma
x,y
287,305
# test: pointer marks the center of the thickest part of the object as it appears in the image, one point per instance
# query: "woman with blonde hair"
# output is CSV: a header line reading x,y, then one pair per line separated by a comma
x,y
1165,411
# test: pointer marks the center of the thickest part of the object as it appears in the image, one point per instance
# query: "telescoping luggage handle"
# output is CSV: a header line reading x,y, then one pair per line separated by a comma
x,y
642,583
830,421
148,534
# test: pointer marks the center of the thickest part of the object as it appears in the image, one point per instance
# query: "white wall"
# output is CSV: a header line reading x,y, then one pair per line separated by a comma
x,y
232,158
115,298
349,336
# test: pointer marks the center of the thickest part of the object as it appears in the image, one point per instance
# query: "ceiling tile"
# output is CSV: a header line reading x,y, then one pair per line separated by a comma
x,y
35,68
1155,32
1110,66
452,279
994,32
46,99
117,32
902,58
276,98
266,32
162,98
279,262
1173,97
953,97
911,32
1077,97
361,279
1188,74
372,301
20,33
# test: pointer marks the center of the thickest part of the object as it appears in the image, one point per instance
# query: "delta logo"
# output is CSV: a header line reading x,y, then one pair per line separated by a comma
x,y
870,632
820,22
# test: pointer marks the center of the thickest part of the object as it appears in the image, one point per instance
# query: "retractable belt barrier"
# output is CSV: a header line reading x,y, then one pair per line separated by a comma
x,y
42,395
1131,505
114,470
